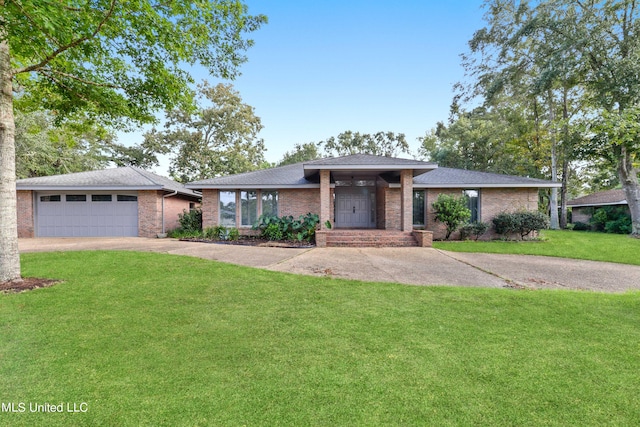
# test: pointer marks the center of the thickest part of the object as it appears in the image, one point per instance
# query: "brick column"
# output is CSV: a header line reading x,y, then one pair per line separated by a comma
x,y
149,213
325,198
210,206
25,213
406,199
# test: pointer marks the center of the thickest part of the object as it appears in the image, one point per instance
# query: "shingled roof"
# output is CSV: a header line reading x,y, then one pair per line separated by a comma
x,y
297,175
457,178
601,198
124,178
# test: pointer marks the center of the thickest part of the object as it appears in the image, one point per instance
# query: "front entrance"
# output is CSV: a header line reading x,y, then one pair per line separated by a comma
x,y
355,207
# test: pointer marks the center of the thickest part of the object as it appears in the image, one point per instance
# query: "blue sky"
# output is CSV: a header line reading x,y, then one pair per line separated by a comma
x,y
320,68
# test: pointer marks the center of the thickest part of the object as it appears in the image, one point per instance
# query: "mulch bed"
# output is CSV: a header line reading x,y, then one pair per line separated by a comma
x,y
252,242
26,284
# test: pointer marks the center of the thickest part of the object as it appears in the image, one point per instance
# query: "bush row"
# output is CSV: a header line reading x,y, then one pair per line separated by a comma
x,y
287,227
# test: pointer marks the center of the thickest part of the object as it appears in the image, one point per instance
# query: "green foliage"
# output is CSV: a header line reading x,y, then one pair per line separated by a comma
x,y
215,232
521,223
318,350
233,234
190,221
612,219
120,61
301,153
287,227
327,224
474,229
220,138
452,211
381,144
581,226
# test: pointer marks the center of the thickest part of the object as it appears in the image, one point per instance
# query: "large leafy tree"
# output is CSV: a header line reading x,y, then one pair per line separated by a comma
x,y
114,61
590,49
219,138
301,153
387,144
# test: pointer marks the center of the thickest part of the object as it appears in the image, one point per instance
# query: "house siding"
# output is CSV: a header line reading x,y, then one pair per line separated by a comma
x,y
174,206
300,202
25,213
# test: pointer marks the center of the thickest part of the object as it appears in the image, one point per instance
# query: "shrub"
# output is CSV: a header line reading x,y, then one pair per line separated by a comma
x,y
581,226
522,223
452,211
233,234
287,227
215,232
190,221
475,229
612,219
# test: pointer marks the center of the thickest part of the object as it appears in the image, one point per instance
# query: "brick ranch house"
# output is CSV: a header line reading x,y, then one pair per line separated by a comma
x,y
368,200
116,202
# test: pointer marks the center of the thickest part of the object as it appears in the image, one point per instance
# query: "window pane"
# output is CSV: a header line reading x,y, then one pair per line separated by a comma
x,y
270,203
228,208
418,207
76,197
472,204
101,197
125,198
55,198
248,207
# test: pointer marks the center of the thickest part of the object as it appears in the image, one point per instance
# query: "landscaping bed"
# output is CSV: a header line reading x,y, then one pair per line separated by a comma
x,y
252,241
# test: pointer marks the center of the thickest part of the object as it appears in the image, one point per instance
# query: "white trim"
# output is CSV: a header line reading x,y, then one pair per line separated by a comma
x,y
470,185
249,187
427,167
588,205
87,188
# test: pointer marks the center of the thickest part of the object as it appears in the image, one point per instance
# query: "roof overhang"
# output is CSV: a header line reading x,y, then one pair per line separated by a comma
x,y
88,187
249,187
589,205
312,169
472,185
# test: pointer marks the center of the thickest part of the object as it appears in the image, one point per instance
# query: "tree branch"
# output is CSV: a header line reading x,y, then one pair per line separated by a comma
x,y
73,44
47,71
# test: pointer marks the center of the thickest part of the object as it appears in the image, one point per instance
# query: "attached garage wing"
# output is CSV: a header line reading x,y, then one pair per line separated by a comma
x,y
96,214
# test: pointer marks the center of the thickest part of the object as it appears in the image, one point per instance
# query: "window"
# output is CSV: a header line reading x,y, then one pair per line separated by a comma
x,y
125,198
270,203
228,208
76,197
419,203
473,197
248,207
55,198
101,197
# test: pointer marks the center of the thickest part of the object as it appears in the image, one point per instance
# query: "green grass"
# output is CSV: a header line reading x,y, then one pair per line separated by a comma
x,y
565,244
154,339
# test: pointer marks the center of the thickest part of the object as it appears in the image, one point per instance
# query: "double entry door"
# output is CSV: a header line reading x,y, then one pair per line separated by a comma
x,y
353,208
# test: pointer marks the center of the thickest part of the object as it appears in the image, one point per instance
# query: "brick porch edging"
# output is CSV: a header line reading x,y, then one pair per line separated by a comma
x,y
424,238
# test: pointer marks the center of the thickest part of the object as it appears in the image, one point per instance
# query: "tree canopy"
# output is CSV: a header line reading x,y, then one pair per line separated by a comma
x,y
116,62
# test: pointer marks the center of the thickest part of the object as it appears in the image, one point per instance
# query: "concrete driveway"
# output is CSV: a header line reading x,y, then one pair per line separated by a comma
x,y
415,266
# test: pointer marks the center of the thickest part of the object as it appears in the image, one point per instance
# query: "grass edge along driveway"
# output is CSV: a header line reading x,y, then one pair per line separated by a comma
x,y
559,243
154,339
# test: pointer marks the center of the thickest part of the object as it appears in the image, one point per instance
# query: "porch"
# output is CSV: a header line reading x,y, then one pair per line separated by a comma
x,y
360,238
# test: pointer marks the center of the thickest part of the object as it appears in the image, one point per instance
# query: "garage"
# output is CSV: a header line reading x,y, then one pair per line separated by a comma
x,y
94,214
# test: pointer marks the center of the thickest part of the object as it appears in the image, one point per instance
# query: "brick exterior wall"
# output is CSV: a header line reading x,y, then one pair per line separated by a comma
x,y
25,214
492,202
406,200
149,213
392,209
173,206
210,208
300,202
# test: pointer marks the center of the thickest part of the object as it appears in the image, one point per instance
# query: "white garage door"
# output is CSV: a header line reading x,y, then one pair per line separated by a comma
x,y
86,215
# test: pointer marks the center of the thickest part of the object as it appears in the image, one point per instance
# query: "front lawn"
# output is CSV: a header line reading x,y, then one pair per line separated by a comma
x,y
154,339
560,243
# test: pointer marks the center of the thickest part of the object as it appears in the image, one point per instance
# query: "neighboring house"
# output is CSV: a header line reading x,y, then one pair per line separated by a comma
x,y
361,192
582,208
116,202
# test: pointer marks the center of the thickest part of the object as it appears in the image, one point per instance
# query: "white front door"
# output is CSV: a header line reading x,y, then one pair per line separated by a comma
x,y
353,208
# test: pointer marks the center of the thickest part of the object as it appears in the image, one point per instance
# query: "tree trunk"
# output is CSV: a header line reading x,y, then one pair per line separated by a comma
x,y
629,179
553,203
9,255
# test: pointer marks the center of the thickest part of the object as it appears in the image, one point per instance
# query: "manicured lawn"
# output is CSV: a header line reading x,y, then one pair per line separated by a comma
x,y
153,339
560,243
